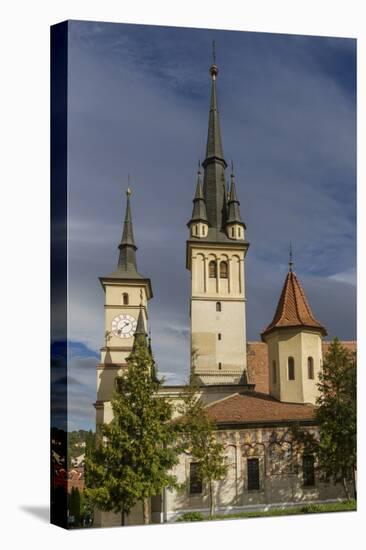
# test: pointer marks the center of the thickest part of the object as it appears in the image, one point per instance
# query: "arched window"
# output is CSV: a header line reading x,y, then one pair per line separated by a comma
x,y
125,299
203,231
223,270
291,368
274,372
220,366
310,368
218,306
233,231
212,269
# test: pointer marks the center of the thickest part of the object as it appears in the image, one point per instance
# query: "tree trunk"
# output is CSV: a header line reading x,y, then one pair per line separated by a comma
x,y
145,510
354,483
345,487
122,518
212,500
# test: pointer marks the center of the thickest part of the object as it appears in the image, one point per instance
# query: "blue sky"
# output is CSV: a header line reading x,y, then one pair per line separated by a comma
x,y
138,104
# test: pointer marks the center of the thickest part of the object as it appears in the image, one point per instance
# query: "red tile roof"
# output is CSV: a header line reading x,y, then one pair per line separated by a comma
x,y
250,407
293,309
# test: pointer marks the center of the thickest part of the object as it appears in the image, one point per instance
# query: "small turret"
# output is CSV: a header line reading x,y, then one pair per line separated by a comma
x,y
198,223
294,341
235,227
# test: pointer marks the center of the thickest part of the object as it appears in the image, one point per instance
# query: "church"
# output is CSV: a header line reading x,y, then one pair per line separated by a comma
x,y
253,391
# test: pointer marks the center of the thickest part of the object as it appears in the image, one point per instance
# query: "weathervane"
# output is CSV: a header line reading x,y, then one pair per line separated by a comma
x,y
290,263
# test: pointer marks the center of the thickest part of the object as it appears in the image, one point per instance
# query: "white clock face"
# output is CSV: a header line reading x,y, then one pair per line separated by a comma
x,y
124,326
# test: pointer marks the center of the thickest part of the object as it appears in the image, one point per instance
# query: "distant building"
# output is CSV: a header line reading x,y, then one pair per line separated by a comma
x,y
75,478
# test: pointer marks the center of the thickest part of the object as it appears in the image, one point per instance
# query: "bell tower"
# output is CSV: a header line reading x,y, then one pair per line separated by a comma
x,y
215,256
126,298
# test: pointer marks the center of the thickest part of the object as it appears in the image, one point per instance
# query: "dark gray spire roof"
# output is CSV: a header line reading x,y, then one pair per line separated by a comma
x,y
127,235
214,166
214,181
127,247
214,143
127,266
234,205
140,327
140,332
199,213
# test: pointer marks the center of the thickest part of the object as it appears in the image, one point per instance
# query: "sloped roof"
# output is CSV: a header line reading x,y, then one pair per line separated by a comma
x,y
293,309
255,407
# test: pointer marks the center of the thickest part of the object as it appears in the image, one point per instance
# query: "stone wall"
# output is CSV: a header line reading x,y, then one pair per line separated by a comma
x,y
280,475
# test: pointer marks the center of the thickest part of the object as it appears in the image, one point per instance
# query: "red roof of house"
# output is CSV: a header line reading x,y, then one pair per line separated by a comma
x,y
255,407
293,309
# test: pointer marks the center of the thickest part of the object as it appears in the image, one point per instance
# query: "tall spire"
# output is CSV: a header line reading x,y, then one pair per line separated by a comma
x,y
214,165
233,203
214,144
127,246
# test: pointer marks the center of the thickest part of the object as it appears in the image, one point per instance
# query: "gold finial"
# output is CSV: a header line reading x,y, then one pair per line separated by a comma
x,y
129,190
232,168
141,299
214,52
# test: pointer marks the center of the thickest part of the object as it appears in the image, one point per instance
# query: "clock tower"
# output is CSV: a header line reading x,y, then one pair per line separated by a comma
x,y
126,297
215,256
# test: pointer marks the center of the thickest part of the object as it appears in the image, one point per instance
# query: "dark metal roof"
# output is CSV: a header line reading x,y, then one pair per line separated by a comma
x,y
234,215
140,335
211,201
199,212
140,327
127,265
214,188
214,144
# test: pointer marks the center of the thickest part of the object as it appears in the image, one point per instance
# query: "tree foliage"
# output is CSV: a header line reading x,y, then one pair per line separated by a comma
x,y
336,415
198,435
75,505
136,451
335,448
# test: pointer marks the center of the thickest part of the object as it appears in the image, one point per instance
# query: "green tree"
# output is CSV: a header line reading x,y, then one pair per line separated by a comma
x,y
335,447
74,505
336,415
198,434
136,451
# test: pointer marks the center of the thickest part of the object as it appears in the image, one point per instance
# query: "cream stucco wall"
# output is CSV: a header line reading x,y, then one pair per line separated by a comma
x,y
115,350
299,344
218,338
280,475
